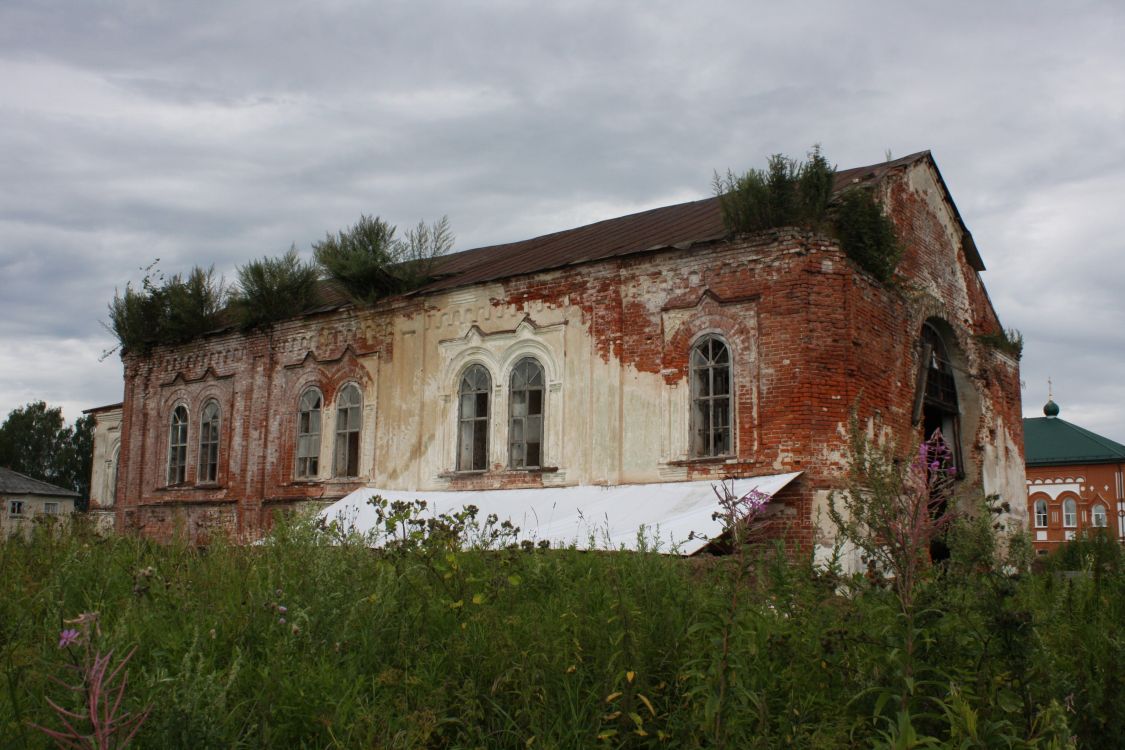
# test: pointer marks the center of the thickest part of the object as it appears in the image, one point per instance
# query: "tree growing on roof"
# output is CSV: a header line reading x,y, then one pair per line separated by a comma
x,y
167,311
794,193
370,263
272,289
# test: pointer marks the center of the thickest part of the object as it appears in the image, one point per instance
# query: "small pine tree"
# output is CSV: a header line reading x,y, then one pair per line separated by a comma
x,y
272,289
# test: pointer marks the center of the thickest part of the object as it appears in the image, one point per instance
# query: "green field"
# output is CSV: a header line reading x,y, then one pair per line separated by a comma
x,y
310,640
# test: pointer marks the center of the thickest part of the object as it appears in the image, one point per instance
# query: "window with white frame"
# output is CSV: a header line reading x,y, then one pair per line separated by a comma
x,y
472,419
1040,514
1070,513
177,446
308,433
15,508
209,442
51,509
710,398
349,410
525,415
1098,516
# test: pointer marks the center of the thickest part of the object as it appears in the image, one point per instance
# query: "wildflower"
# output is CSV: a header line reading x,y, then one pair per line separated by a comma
x,y
281,621
67,637
282,608
295,630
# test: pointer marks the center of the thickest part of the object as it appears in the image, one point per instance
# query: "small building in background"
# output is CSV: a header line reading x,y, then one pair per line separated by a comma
x,y
1074,481
25,499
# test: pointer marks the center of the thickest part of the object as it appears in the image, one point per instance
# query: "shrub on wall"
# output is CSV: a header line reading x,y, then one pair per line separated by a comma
x,y
272,289
370,263
166,311
867,235
792,193
1009,341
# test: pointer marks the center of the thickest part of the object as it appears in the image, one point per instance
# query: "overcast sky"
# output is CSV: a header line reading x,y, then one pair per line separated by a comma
x,y
200,133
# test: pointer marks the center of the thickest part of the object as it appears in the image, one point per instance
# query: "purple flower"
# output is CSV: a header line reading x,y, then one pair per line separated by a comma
x,y
281,608
67,637
281,620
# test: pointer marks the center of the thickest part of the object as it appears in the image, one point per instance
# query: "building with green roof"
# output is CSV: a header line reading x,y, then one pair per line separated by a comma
x,y
1074,480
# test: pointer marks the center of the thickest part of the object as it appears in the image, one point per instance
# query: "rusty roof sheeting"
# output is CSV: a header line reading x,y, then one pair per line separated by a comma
x,y
678,226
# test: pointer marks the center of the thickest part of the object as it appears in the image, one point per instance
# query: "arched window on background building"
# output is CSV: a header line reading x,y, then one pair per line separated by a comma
x,y
1070,513
472,419
1040,514
348,417
308,433
525,415
209,442
1098,516
177,446
710,398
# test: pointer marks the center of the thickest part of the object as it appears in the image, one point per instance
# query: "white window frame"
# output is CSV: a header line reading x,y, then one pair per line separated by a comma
x,y
1041,514
1070,513
1094,516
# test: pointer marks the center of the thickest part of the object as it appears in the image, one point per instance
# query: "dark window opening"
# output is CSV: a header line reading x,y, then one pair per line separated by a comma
x,y
710,398
308,434
525,420
177,446
348,417
209,443
472,432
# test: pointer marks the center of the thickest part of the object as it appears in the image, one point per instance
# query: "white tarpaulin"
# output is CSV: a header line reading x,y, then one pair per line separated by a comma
x,y
671,516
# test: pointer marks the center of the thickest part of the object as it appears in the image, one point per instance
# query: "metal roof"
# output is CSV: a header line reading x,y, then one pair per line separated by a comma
x,y
1050,441
678,226
14,483
676,517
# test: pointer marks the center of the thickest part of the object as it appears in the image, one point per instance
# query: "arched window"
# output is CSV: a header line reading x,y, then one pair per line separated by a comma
x,y
472,432
525,416
177,446
1070,513
1040,514
1098,517
209,442
710,398
935,404
308,433
347,431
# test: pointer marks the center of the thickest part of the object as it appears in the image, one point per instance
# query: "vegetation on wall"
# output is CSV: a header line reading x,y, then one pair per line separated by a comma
x,y
786,193
367,260
167,310
273,289
1009,341
793,193
370,263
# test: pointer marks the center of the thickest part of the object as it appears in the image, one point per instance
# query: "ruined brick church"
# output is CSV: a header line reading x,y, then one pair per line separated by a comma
x,y
648,349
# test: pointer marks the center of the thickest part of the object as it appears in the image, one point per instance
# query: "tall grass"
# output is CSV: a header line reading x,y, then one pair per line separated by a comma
x,y
300,642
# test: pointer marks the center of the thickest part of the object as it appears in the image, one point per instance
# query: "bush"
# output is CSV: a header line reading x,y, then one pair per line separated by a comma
x,y
867,235
1009,341
273,289
167,311
370,263
791,193
787,193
